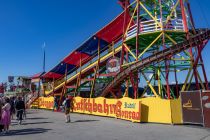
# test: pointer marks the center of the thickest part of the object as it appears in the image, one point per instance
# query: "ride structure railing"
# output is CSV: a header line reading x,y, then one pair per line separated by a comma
x,y
151,26
105,53
194,41
30,98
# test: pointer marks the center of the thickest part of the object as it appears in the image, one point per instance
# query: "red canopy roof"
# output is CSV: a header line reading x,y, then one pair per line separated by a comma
x,y
114,30
38,75
74,58
52,75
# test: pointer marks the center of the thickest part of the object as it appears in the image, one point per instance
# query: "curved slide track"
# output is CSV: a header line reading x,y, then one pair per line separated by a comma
x,y
194,41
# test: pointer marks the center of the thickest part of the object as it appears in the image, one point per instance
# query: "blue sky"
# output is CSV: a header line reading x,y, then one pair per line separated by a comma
x,y
63,24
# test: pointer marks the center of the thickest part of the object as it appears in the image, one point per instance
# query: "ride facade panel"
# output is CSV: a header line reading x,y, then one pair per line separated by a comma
x,y
151,45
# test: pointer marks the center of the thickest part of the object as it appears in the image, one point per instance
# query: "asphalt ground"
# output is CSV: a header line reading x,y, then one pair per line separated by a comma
x,y
48,125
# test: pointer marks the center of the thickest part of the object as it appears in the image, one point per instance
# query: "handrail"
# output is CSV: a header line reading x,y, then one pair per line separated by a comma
x,y
152,26
62,79
31,99
103,58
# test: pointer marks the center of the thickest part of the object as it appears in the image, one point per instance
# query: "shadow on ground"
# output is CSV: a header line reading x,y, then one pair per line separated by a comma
x,y
205,137
194,126
26,123
27,131
85,121
30,123
37,118
32,112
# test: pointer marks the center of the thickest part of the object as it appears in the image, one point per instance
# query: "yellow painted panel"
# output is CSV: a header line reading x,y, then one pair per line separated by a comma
x,y
150,109
176,111
125,108
45,103
155,110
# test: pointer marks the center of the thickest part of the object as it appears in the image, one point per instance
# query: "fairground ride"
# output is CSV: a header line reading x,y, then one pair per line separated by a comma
x,y
151,43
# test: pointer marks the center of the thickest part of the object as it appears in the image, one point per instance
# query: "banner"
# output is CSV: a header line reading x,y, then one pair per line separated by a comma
x,y
46,102
125,108
206,108
149,109
192,107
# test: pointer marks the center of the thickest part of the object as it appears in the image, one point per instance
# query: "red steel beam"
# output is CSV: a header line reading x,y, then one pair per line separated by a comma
x,y
157,57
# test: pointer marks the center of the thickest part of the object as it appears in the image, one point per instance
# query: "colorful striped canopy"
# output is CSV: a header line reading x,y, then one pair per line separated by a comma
x,y
112,32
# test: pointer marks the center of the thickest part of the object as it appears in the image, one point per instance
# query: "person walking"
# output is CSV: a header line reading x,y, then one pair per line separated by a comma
x,y
55,106
20,107
12,110
1,125
5,117
67,106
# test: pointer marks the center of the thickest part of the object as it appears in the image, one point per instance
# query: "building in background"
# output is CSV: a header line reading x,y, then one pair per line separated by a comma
x,y
17,86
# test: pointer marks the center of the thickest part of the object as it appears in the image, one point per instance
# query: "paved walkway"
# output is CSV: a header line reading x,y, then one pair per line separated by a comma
x,y
47,125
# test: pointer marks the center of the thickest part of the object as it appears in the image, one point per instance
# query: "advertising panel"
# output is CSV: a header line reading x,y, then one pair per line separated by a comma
x,y
125,108
206,108
191,107
46,102
113,65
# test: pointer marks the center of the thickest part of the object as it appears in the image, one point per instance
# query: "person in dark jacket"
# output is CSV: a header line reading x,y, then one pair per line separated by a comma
x,y
12,109
20,107
55,106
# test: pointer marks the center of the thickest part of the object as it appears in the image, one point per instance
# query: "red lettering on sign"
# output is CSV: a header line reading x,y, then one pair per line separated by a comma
x,y
106,107
94,106
86,105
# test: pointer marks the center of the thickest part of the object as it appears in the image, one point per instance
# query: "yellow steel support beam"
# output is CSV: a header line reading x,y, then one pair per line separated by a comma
x,y
151,87
148,12
113,50
189,82
78,78
129,51
172,40
127,64
147,86
159,82
150,45
93,82
172,11
187,78
129,24
181,59
199,77
96,70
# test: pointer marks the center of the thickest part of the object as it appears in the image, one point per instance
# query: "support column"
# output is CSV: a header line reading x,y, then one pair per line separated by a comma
x,y
96,71
203,68
137,49
184,16
175,74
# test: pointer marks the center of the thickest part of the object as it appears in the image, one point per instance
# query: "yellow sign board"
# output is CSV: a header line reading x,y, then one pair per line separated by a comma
x,y
125,108
46,102
136,110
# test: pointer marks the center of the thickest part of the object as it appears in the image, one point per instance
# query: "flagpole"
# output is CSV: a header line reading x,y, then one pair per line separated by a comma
x,y
44,59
